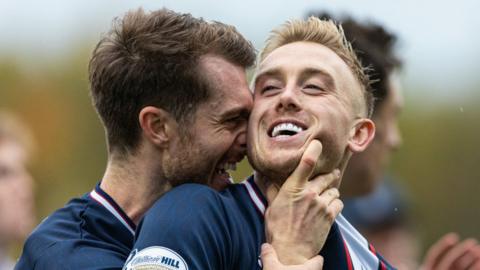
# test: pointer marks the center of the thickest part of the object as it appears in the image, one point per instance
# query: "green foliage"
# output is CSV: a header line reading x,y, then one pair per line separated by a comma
x,y
438,161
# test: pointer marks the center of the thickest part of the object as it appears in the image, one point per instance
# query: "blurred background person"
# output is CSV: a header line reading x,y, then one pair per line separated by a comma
x,y
376,204
16,186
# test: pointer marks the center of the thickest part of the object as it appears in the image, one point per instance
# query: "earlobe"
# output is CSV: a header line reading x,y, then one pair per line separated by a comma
x,y
362,134
155,123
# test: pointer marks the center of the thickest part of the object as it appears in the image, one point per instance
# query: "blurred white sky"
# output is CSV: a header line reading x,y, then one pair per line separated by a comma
x,y
439,41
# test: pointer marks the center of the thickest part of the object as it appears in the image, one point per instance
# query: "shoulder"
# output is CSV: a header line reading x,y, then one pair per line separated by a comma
x,y
56,235
71,254
186,208
60,225
188,201
187,226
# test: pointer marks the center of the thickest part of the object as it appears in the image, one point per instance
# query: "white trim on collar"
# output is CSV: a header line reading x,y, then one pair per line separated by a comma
x,y
254,196
97,197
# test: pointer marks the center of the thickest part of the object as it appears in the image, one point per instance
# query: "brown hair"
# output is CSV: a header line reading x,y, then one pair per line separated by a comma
x,y
375,48
324,32
151,59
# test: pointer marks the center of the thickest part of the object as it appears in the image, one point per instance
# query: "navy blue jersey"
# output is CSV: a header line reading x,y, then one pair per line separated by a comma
x,y
195,227
90,232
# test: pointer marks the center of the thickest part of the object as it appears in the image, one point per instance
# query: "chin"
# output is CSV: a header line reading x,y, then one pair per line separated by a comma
x,y
275,167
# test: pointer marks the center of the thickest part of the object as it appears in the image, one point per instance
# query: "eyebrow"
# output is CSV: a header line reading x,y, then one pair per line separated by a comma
x,y
309,72
276,73
306,73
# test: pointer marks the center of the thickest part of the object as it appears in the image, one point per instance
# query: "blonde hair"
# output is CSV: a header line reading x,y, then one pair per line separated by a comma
x,y
328,34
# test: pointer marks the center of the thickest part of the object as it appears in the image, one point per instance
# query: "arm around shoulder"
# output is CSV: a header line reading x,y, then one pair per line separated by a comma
x,y
187,229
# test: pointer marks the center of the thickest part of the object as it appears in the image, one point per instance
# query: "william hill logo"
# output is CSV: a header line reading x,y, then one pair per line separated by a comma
x,y
160,258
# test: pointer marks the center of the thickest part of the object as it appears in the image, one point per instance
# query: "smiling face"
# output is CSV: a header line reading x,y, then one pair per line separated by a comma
x,y
215,138
303,91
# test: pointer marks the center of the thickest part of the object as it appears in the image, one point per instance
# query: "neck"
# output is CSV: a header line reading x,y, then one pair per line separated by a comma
x,y
268,188
133,186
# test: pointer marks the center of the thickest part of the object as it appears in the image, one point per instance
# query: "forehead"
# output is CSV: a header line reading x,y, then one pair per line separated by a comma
x,y
227,82
11,152
302,55
295,58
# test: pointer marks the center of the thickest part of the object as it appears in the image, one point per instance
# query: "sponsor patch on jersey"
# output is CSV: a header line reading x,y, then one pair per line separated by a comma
x,y
155,257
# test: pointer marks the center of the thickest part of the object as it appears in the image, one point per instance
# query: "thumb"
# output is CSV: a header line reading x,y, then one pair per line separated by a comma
x,y
315,263
305,168
269,257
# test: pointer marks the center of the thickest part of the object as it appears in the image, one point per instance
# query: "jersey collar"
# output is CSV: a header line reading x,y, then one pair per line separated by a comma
x,y
256,195
106,201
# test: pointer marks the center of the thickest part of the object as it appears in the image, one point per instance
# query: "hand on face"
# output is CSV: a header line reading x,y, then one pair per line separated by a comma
x,y
306,205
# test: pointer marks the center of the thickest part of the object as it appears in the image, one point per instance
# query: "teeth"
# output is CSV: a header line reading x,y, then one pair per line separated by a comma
x,y
227,166
286,127
231,166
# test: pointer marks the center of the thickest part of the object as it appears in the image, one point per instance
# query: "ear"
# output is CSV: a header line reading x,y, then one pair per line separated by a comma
x,y
361,135
157,125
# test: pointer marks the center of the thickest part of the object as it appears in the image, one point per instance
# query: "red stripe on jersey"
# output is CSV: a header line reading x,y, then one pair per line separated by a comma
x,y
347,255
381,264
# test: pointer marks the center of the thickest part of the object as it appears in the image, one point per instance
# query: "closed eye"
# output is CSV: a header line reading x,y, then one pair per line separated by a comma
x,y
268,88
314,89
313,86
237,119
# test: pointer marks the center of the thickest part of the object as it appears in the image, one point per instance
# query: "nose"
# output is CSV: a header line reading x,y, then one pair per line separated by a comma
x,y
239,146
242,141
288,100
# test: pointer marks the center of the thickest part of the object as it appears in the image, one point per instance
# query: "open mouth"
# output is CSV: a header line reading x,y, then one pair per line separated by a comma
x,y
285,129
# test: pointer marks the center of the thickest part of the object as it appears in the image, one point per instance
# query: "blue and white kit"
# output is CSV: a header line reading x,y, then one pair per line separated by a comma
x,y
90,232
196,227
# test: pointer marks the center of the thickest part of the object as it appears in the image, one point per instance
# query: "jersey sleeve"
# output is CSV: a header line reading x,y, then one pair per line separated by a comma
x,y
187,228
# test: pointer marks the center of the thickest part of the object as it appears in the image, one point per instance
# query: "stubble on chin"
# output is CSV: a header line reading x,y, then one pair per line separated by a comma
x,y
276,172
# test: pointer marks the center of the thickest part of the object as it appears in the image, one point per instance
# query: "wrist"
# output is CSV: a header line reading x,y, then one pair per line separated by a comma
x,y
290,254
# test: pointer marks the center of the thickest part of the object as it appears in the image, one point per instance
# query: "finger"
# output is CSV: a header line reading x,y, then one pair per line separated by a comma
x,y
467,260
269,256
335,208
438,250
321,182
324,200
305,168
329,195
476,266
332,210
314,263
456,253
